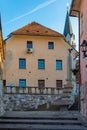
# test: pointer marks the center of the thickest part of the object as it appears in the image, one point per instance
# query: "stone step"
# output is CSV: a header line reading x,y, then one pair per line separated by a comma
x,y
63,102
39,118
40,121
40,127
65,95
67,87
67,91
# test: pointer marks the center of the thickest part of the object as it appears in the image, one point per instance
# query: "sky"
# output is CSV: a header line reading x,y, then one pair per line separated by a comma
x,y
50,13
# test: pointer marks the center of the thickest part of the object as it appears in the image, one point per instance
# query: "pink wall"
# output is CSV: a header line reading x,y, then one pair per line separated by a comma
x,y
84,37
84,60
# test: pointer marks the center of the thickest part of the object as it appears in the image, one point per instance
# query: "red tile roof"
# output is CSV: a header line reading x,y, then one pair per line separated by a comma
x,y
36,29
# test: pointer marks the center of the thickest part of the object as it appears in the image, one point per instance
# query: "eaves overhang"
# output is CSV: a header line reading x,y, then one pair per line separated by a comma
x,y
75,8
11,34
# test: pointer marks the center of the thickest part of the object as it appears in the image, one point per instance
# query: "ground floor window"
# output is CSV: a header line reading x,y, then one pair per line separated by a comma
x,y
22,83
58,84
41,83
4,82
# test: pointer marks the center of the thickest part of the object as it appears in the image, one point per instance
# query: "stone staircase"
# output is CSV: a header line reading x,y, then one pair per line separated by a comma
x,y
74,107
40,121
66,99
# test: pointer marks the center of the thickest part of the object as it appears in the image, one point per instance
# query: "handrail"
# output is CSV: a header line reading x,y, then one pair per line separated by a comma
x,y
60,94
31,90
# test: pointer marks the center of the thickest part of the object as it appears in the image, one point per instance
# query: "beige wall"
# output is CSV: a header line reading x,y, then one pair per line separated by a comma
x,y
16,48
1,55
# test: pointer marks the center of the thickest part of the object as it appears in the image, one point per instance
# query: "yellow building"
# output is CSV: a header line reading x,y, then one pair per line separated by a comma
x,y
1,50
36,56
1,69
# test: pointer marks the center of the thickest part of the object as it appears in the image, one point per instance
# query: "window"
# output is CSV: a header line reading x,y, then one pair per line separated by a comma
x,y
50,45
22,63
22,83
41,83
29,44
58,64
41,64
4,82
58,83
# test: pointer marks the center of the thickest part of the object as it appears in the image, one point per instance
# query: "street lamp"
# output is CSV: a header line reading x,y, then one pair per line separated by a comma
x,y
74,71
84,48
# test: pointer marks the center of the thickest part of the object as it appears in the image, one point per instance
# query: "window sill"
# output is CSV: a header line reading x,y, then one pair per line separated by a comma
x,y
22,68
57,69
41,69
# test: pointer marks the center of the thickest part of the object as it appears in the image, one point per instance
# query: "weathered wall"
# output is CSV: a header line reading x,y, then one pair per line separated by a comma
x,y
83,36
26,102
16,48
1,70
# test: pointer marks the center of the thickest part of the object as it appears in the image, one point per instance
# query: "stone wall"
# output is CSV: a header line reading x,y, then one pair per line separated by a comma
x,y
26,102
1,99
